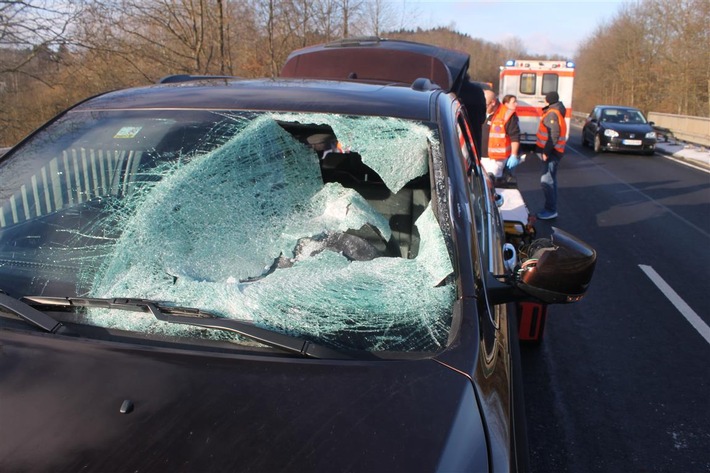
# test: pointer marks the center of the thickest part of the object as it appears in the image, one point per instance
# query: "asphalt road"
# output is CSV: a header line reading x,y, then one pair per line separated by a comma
x,y
621,382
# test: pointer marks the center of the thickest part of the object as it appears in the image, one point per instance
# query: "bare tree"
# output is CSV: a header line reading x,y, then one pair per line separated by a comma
x,y
162,36
379,16
33,35
350,14
271,15
221,41
327,20
514,47
660,59
653,54
31,28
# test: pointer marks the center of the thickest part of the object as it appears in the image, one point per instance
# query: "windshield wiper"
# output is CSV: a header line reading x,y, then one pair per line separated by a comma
x,y
197,318
32,315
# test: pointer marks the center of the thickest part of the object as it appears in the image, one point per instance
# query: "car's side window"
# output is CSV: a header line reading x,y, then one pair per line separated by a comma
x,y
474,170
482,203
468,151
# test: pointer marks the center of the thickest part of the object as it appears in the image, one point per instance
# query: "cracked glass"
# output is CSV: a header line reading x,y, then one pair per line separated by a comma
x,y
316,225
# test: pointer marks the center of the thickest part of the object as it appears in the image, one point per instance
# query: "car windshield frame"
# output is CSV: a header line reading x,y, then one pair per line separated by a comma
x,y
628,116
49,198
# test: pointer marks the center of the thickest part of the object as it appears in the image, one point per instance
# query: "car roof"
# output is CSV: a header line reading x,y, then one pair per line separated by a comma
x,y
294,95
616,107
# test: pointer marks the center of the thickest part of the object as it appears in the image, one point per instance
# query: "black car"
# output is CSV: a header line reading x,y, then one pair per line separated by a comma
x,y
617,128
262,275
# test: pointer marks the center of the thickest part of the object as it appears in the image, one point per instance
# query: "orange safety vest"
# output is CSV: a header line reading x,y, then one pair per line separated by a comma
x,y
542,135
498,140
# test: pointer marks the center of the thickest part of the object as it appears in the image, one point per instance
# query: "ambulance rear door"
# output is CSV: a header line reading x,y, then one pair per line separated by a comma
x,y
530,81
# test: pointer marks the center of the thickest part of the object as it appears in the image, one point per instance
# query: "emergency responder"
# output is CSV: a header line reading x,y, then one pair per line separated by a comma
x,y
513,132
500,137
551,141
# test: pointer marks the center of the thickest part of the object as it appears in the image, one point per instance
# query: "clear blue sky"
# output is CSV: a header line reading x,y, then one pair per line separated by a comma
x,y
545,27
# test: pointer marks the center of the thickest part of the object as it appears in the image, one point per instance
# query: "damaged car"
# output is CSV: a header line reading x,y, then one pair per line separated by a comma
x,y
215,274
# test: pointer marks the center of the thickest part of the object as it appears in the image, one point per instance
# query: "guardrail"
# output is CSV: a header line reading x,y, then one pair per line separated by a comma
x,y
580,116
694,130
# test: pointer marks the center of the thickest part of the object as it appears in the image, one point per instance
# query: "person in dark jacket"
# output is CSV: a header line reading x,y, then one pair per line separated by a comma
x,y
551,141
512,129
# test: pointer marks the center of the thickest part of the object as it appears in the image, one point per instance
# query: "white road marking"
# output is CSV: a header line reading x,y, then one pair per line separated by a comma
x,y
679,303
650,199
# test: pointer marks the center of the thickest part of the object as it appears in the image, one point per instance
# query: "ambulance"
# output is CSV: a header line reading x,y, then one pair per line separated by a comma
x,y
530,80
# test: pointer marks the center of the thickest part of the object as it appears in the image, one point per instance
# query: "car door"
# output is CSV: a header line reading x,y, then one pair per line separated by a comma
x,y
592,125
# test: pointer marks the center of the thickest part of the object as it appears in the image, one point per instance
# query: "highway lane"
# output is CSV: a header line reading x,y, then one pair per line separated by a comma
x,y
622,380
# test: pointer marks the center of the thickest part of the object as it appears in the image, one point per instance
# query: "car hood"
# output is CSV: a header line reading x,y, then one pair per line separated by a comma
x,y
199,411
629,128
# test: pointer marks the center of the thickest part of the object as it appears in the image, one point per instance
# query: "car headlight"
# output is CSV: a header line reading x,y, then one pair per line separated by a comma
x,y
651,135
611,133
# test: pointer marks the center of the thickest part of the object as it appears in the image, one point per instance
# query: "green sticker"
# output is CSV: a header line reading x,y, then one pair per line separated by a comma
x,y
128,132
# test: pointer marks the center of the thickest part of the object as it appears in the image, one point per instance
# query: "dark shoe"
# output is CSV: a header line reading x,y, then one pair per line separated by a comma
x,y
546,215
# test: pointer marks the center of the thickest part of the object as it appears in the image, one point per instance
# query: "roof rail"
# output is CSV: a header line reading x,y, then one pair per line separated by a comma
x,y
354,41
175,78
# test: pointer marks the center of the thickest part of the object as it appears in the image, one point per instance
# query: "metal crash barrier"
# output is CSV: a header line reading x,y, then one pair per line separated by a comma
x,y
683,127
695,130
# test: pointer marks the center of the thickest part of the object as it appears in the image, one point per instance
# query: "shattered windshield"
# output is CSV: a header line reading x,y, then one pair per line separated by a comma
x,y
315,225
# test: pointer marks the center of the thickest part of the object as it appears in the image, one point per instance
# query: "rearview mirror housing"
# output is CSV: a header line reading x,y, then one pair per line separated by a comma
x,y
559,270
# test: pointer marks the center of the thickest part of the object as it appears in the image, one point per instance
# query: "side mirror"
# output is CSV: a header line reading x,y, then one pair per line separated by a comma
x,y
559,270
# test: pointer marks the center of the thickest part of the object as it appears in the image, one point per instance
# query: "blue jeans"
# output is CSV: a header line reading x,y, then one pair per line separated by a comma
x,y
548,182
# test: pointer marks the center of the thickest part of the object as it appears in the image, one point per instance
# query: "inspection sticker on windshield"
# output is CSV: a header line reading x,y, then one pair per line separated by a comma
x,y
128,132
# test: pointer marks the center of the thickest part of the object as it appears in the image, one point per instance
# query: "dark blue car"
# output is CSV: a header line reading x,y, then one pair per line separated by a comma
x,y
262,275
617,128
